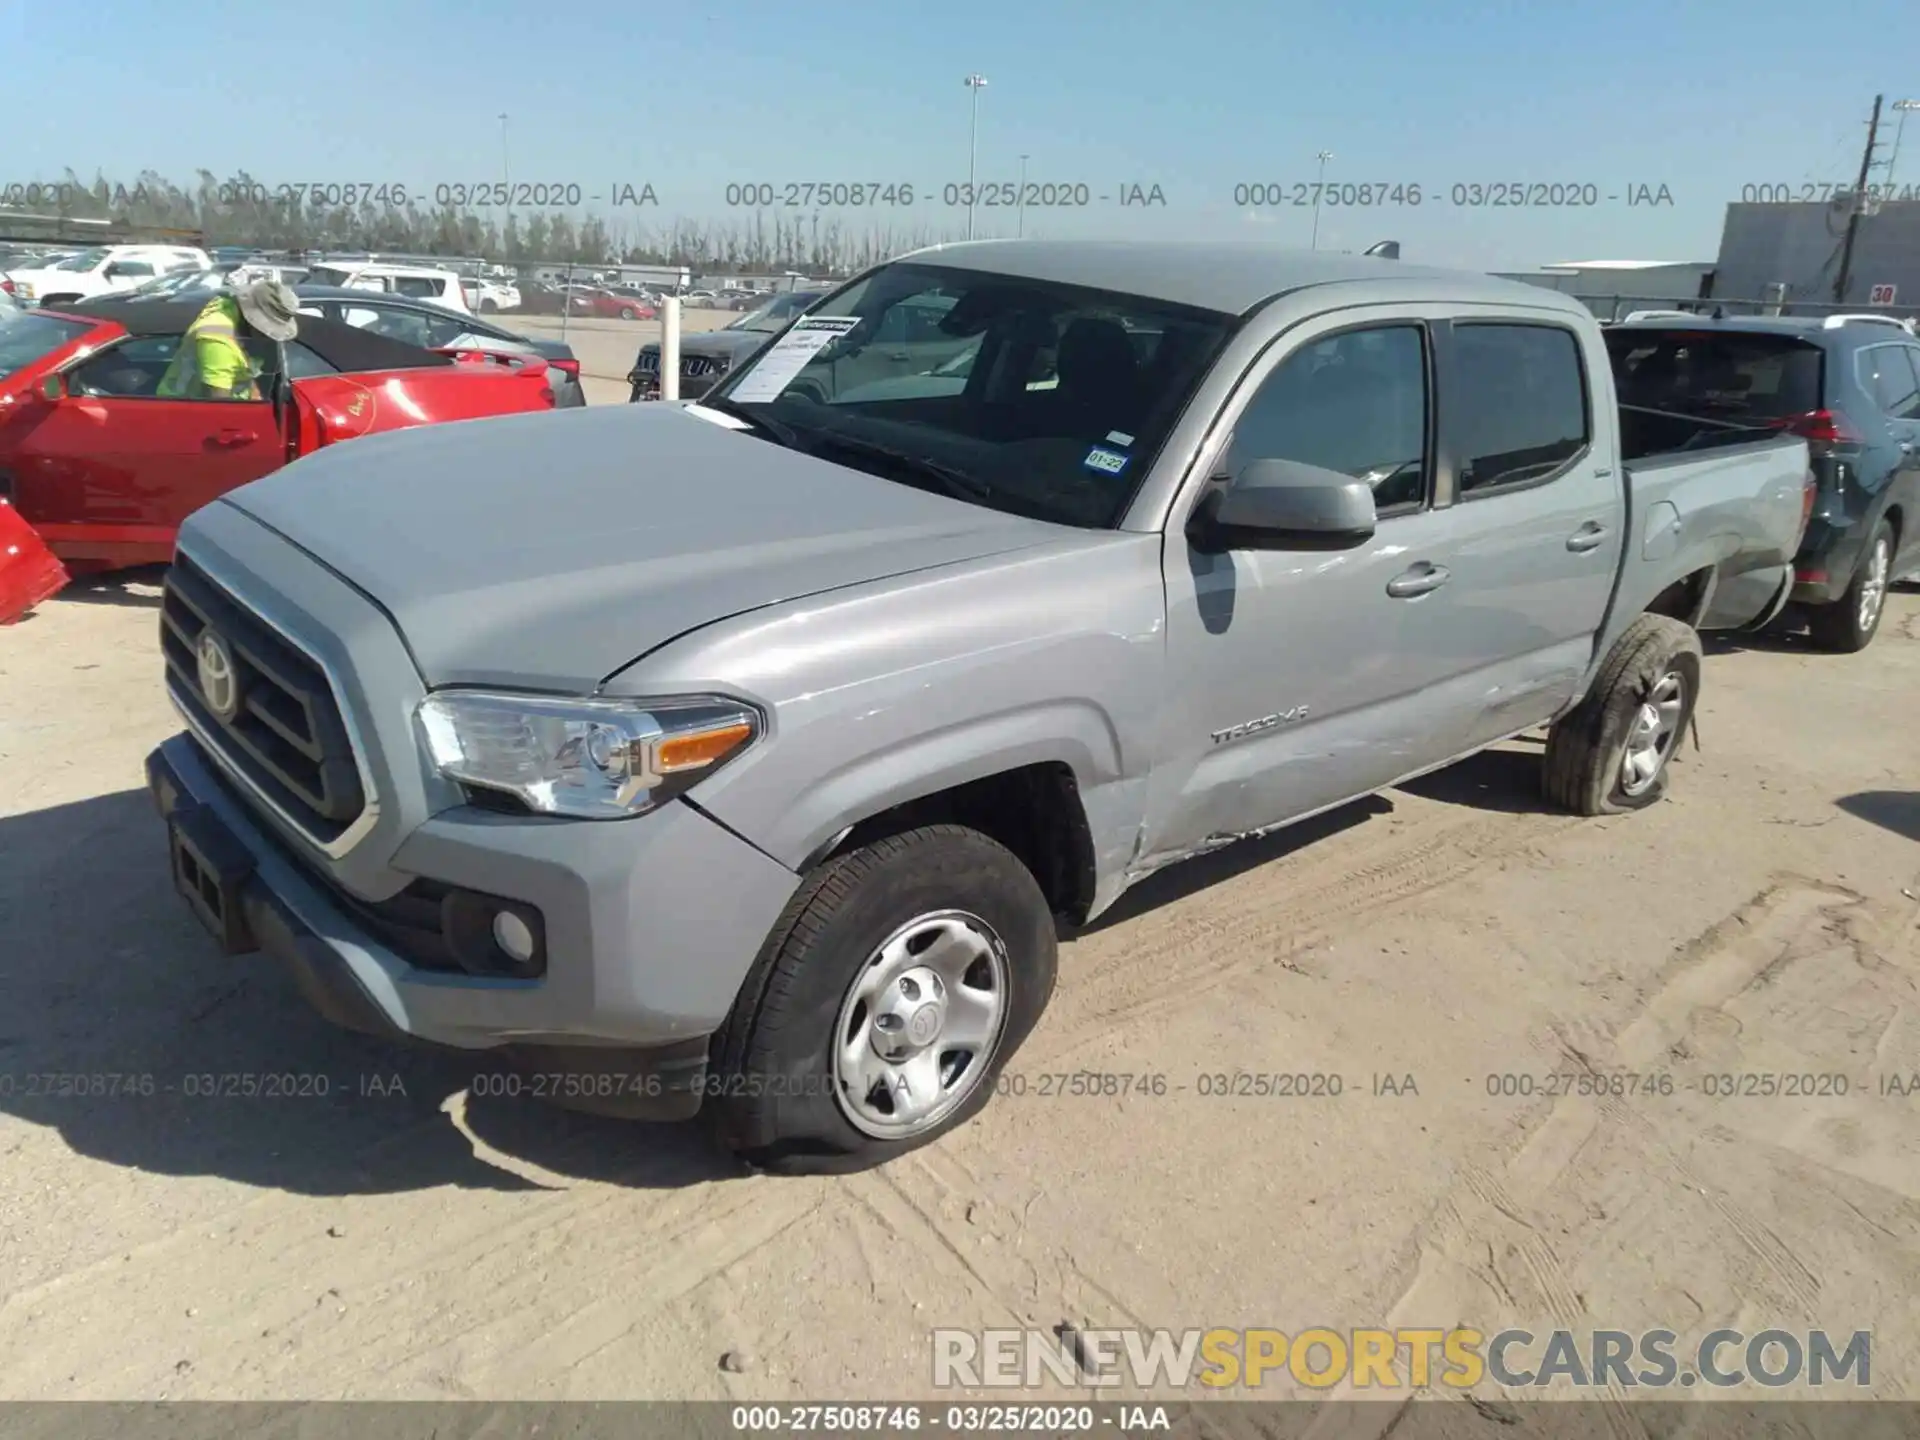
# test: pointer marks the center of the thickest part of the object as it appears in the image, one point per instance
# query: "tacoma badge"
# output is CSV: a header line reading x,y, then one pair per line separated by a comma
x,y
1254,727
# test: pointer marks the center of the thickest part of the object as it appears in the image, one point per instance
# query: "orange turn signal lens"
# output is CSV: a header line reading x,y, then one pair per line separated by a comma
x,y
703,747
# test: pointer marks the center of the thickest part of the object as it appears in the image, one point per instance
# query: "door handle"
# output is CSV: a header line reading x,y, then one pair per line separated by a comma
x,y
235,437
1587,537
1419,580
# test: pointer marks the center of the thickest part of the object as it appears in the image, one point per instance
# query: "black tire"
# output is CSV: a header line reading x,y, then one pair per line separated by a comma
x,y
1583,770
487,307
772,1093
627,312
1836,625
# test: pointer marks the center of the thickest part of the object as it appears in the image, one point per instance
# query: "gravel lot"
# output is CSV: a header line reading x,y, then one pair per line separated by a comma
x,y
384,1233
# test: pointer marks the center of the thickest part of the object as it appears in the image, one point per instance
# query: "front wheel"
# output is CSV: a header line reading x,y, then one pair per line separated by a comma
x,y
627,312
897,982
1848,624
1610,753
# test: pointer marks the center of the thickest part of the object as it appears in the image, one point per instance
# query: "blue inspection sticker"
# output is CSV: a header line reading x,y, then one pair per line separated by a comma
x,y
1109,462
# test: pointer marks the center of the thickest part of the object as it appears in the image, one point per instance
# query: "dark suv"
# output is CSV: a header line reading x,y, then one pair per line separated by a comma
x,y
1851,387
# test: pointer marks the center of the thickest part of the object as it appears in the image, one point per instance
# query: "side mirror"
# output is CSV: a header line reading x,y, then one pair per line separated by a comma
x,y
1284,505
54,387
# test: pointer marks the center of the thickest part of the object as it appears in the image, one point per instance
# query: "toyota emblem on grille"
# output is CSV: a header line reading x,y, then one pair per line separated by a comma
x,y
219,682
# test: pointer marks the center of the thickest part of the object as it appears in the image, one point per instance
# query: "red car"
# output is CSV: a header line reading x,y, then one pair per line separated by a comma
x,y
608,305
105,469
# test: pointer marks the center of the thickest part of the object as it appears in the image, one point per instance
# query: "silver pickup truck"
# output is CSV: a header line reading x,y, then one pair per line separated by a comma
x,y
749,756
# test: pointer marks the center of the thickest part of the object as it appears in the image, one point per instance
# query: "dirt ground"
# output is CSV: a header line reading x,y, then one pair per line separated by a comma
x,y
398,1237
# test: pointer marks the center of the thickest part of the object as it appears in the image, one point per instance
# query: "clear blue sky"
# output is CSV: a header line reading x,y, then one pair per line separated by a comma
x,y
1699,97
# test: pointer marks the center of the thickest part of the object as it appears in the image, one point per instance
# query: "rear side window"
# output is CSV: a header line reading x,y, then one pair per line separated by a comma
x,y
420,287
1887,373
1517,403
1722,375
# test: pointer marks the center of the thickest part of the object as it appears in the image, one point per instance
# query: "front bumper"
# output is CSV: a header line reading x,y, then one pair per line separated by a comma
x,y
649,931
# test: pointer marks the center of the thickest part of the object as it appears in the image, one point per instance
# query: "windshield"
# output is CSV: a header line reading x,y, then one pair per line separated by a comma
x,y
1046,399
27,336
1724,374
84,260
773,315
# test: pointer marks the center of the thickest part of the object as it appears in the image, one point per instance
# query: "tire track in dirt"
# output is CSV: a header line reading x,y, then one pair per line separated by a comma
x,y
1487,1214
1169,956
477,1271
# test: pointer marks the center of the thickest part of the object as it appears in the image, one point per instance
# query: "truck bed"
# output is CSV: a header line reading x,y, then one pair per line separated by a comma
x,y
1731,494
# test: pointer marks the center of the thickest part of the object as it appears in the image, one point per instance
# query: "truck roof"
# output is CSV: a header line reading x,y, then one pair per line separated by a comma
x,y
1225,276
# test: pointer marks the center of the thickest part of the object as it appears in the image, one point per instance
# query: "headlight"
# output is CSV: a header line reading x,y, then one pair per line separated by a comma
x,y
593,759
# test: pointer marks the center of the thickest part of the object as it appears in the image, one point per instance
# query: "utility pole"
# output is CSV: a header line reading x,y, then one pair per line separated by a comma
x,y
1859,203
975,83
1319,184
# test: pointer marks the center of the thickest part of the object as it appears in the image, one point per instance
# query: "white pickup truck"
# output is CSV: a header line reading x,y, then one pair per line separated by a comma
x,y
102,270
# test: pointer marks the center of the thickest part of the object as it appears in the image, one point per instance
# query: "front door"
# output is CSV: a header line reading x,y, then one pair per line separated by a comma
x,y
111,470
1291,684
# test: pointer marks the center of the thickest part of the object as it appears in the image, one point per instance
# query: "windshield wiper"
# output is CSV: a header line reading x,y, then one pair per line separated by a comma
x,y
955,482
780,434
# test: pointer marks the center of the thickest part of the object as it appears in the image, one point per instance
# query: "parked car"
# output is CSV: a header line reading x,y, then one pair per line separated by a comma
x,y
423,323
707,356
1850,385
908,685
486,295
607,305
223,275
105,469
100,271
418,282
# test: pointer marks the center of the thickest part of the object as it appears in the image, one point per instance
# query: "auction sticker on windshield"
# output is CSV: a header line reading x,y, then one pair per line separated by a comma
x,y
789,356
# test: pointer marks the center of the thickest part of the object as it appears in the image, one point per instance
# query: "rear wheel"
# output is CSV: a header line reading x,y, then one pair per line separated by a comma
x,y
900,978
1611,751
1848,624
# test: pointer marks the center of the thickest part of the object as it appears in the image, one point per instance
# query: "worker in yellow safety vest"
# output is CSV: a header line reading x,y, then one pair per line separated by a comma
x,y
212,362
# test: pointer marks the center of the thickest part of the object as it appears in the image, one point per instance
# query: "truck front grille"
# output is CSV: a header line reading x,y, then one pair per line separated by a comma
x,y
692,367
274,718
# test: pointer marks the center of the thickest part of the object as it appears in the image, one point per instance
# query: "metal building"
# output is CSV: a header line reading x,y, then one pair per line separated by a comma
x,y
1606,279
1798,244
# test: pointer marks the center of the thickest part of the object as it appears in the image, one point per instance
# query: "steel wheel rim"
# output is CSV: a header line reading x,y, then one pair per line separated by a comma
x,y
1873,586
1654,734
920,1024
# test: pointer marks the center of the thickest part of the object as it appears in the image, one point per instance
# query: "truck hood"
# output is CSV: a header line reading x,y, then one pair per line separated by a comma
x,y
550,551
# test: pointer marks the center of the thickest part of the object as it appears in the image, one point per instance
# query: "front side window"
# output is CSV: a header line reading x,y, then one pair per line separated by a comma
x,y
1067,398
1355,402
1517,403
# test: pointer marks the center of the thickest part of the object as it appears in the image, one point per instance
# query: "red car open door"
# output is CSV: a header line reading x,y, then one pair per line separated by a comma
x,y
110,470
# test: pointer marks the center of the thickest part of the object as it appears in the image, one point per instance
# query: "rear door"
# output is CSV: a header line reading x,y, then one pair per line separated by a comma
x,y
112,469
1891,375
1535,523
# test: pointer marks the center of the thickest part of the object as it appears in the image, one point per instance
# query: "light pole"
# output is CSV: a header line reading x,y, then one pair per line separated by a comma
x,y
1318,185
975,83
1893,156
1020,212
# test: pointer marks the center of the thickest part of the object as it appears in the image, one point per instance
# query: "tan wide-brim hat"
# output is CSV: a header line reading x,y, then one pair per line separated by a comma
x,y
271,307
